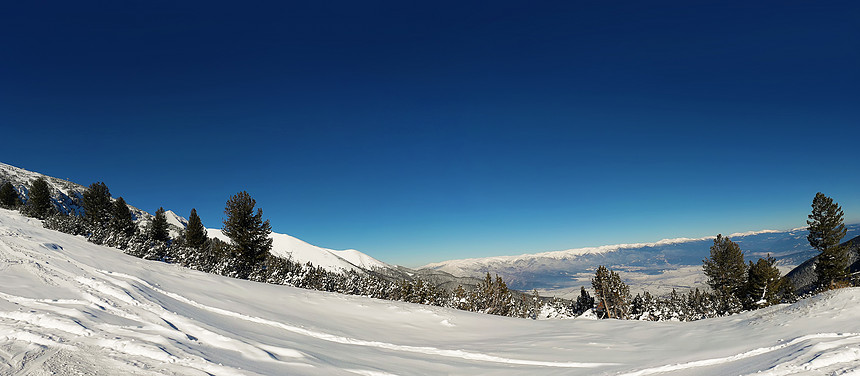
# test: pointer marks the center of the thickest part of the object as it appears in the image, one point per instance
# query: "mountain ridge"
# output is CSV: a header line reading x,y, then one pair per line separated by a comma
x,y
67,198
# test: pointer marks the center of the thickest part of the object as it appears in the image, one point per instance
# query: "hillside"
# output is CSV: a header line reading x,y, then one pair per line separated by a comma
x,y
67,198
71,307
289,247
803,276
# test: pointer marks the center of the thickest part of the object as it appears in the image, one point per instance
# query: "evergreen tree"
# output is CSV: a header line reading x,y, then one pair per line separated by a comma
x,y
121,221
8,196
611,294
97,205
195,233
725,269
763,283
826,231
39,199
247,231
460,299
584,301
158,228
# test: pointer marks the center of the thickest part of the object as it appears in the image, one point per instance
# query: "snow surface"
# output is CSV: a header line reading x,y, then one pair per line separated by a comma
x,y
289,247
71,307
174,219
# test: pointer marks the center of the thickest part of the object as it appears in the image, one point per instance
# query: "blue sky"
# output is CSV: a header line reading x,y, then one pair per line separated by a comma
x,y
425,132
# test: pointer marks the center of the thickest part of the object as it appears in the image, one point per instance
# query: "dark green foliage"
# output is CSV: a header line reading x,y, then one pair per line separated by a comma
x,y
121,221
493,297
584,301
764,284
39,200
826,230
8,196
158,227
460,299
69,224
97,205
247,231
611,294
195,233
642,306
725,269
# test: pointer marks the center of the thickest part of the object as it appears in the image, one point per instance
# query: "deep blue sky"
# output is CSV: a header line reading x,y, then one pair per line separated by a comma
x,y
425,132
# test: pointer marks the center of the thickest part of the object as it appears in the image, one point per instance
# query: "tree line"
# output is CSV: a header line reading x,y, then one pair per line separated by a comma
x,y
734,285
108,221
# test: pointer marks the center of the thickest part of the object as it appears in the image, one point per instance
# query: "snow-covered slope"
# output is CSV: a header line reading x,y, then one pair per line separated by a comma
x,y
70,307
297,250
67,198
658,266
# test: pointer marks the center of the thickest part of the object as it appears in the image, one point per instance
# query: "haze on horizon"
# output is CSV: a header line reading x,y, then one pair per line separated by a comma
x,y
426,132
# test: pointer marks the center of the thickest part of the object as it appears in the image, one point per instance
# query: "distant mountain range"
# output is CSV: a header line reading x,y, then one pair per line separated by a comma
x,y
659,266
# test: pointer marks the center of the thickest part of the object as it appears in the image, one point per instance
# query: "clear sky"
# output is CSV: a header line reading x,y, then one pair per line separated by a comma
x,y
426,131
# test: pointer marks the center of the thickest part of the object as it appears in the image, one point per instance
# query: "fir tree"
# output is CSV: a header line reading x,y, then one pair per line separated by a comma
x,y
121,221
763,283
460,299
726,270
8,196
584,301
195,233
158,228
39,200
611,294
97,205
826,230
247,231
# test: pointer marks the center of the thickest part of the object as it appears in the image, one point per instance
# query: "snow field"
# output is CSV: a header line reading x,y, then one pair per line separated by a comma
x,y
70,307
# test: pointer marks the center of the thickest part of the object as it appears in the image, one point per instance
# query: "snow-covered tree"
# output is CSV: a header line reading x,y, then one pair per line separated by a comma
x,y
611,294
584,301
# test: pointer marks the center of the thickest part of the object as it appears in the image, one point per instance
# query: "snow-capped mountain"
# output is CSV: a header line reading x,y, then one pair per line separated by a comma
x,y
68,198
659,266
70,307
295,249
